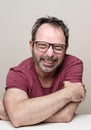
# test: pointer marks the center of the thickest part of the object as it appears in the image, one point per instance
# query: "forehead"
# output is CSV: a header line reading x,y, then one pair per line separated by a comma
x,y
50,33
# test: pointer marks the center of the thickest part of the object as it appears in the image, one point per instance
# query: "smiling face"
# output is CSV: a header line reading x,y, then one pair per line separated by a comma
x,y
48,61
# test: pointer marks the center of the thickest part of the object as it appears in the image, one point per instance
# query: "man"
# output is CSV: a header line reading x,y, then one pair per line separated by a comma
x,y
47,86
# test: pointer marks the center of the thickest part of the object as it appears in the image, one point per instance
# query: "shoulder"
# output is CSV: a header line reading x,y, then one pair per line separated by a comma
x,y
72,59
73,68
26,64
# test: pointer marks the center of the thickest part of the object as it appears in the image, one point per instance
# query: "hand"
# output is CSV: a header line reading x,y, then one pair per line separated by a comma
x,y
77,90
3,114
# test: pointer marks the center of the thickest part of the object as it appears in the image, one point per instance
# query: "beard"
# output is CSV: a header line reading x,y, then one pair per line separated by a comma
x,y
47,64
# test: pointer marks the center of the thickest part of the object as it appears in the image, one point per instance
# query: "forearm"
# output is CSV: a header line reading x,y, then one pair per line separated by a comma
x,y
35,110
66,114
23,111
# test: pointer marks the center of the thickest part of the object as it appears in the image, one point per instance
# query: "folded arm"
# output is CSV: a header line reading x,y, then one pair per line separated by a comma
x,y
67,113
24,111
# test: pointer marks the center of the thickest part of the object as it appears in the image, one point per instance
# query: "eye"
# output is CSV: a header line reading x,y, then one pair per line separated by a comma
x,y
59,47
42,45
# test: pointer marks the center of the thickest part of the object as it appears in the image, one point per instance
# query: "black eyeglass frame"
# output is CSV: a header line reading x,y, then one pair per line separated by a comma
x,y
64,46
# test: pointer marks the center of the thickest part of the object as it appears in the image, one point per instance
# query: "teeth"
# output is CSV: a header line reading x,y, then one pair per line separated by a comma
x,y
50,62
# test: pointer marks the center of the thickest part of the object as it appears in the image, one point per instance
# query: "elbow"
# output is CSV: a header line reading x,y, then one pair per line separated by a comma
x,y
18,121
15,121
15,124
67,118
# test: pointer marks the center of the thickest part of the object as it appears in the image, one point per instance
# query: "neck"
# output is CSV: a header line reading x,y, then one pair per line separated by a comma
x,y
45,78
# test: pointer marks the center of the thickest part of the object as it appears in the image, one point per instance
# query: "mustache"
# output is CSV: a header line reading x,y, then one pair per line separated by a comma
x,y
48,58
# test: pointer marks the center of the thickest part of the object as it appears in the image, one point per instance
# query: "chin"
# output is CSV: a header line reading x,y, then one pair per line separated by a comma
x,y
47,70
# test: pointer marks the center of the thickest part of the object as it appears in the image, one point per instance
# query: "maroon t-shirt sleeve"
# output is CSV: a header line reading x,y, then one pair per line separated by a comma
x,y
16,79
74,71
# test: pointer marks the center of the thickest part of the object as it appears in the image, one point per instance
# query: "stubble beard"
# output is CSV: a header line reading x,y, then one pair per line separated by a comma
x,y
44,68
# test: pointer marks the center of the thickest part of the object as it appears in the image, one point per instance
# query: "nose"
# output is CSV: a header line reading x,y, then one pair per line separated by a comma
x,y
50,52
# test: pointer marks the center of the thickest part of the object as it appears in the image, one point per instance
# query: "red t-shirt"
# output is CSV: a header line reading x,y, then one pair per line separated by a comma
x,y
25,77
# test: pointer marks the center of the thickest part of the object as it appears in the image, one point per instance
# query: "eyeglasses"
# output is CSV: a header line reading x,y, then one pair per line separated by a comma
x,y
44,46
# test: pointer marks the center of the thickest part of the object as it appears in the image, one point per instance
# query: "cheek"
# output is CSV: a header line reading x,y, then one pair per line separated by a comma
x,y
60,58
37,54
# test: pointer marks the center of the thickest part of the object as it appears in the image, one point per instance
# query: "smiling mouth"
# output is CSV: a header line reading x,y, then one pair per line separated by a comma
x,y
48,63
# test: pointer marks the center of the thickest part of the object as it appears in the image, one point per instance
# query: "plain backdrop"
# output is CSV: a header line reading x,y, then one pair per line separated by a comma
x,y
16,20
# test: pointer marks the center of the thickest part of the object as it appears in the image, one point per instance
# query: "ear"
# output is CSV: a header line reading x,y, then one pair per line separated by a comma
x,y
31,44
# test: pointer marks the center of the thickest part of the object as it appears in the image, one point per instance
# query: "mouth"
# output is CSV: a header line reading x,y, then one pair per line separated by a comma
x,y
48,63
